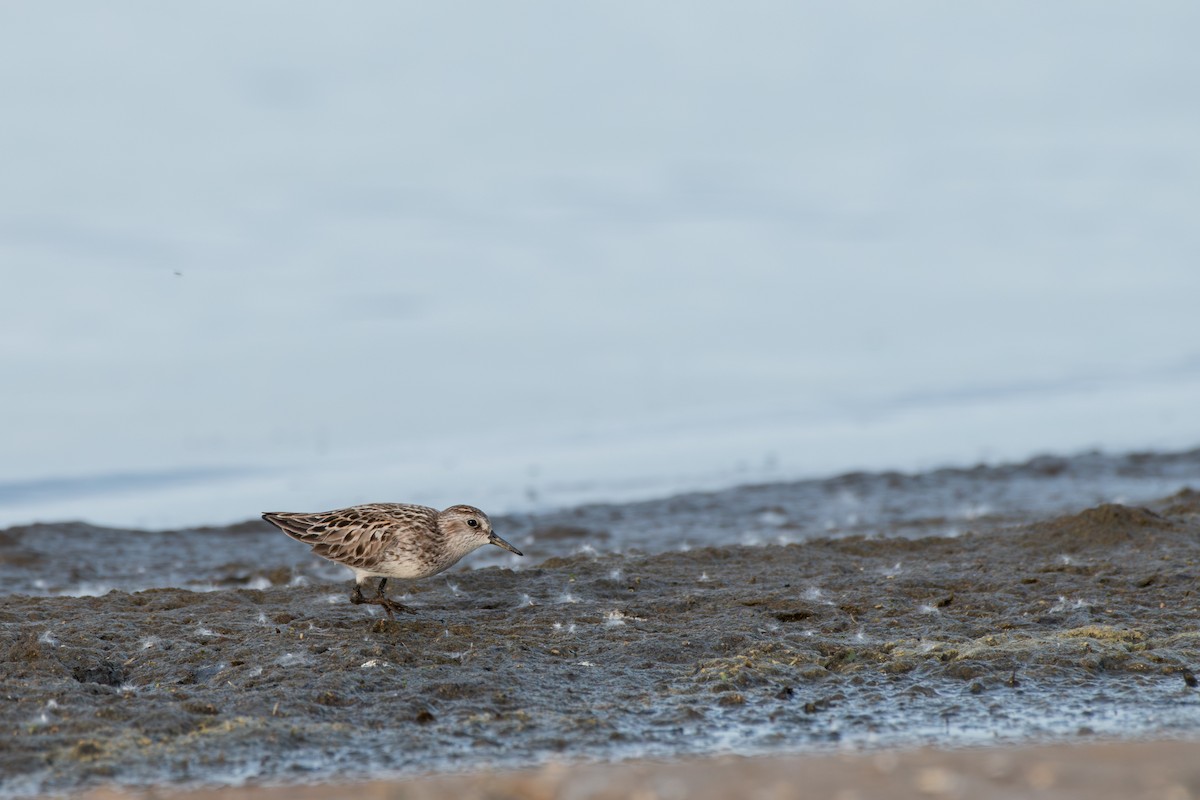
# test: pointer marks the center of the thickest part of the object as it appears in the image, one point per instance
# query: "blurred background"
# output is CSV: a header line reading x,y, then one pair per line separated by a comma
x,y
296,256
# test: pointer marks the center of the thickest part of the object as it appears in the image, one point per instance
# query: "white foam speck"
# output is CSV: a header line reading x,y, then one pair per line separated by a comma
x,y
586,664
704,577
291,659
88,590
976,511
254,673
262,618
813,593
51,703
772,518
566,597
1064,604
298,580
203,631
149,641
927,609
614,575
259,583
526,600
334,599
374,662
48,638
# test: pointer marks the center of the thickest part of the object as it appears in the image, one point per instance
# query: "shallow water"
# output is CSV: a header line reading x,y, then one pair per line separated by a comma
x,y
376,251
1027,623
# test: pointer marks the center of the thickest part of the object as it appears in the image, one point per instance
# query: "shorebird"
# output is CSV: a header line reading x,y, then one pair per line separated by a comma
x,y
391,540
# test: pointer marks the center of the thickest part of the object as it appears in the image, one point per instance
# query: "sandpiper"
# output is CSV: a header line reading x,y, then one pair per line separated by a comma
x,y
391,540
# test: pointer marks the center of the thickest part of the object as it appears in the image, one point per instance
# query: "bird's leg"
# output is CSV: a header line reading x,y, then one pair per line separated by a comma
x,y
382,599
379,599
389,605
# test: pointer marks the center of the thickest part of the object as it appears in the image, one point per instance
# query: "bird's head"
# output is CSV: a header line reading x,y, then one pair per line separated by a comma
x,y
471,524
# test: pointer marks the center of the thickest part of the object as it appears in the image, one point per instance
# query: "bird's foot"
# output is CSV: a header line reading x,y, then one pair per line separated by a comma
x,y
379,599
391,605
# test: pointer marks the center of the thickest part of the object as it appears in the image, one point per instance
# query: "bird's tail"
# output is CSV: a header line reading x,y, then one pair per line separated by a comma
x,y
297,526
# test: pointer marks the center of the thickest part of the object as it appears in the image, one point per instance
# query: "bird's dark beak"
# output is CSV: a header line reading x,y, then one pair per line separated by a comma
x,y
496,540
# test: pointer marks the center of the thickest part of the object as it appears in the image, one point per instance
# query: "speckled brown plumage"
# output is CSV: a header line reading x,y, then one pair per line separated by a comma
x,y
391,540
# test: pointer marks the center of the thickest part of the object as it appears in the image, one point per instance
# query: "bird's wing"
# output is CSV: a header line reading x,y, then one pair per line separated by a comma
x,y
354,536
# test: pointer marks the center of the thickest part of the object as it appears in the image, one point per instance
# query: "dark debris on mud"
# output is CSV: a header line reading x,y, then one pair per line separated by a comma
x,y
871,640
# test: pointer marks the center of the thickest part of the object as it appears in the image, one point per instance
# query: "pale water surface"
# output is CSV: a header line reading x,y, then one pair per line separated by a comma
x,y
300,256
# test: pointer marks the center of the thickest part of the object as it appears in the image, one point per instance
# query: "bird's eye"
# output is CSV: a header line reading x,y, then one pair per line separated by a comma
x,y
474,523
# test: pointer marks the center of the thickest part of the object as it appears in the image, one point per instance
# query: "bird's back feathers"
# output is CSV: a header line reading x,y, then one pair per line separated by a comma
x,y
358,536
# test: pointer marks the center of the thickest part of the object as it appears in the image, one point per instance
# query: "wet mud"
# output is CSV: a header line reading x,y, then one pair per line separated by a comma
x,y
1074,625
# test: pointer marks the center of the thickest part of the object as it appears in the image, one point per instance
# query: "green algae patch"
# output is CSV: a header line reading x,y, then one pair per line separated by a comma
x,y
1106,633
770,663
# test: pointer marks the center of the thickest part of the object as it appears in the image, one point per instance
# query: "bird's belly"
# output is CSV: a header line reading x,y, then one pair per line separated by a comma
x,y
406,568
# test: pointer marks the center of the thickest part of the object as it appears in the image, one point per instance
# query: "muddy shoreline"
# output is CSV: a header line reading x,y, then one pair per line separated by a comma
x,y
1067,627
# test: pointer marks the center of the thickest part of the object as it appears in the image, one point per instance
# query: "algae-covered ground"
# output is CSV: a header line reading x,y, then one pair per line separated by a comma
x,y
1078,624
